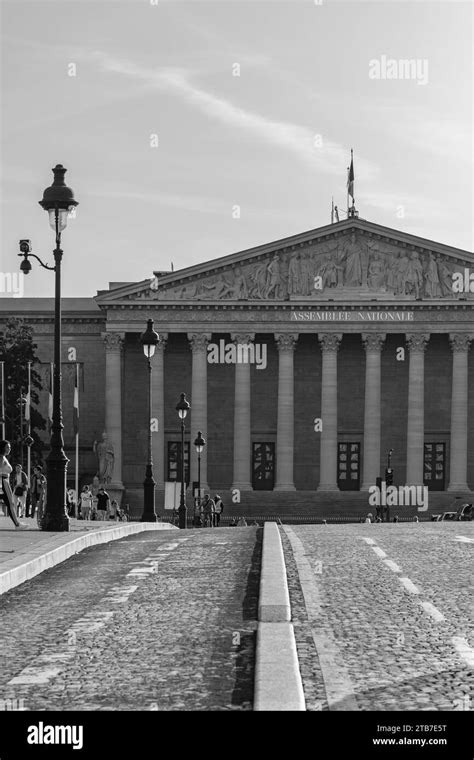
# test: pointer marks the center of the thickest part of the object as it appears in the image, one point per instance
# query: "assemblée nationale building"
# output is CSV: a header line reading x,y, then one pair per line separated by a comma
x,y
305,361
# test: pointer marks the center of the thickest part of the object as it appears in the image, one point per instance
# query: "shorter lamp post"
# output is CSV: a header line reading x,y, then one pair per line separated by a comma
x,y
182,407
149,340
199,444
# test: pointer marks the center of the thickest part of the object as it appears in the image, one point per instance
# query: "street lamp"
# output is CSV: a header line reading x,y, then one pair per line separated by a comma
x,y
199,444
149,340
58,201
182,407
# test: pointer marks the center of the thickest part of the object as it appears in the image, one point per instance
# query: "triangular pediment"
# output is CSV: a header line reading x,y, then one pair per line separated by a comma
x,y
353,259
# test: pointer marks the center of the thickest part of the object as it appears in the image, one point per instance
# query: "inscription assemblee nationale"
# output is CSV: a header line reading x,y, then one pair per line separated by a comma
x,y
340,315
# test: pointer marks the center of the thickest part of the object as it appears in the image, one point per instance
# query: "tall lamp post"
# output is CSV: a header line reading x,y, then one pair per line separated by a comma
x,y
58,201
199,444
182,407
149,340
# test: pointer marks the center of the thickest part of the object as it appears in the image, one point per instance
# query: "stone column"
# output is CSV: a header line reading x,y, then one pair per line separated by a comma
x,y
158,411
460,343
286,343
198,342
113,402
328,459
242,421
417,343
373,343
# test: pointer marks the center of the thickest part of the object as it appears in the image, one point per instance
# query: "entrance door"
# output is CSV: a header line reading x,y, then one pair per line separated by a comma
x,y
434,475
348,466
263,466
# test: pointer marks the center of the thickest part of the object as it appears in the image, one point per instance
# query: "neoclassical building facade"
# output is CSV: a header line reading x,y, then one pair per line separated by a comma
x,y
304,360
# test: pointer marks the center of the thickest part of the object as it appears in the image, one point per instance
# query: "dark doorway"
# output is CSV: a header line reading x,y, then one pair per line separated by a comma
x,y
348,466
434,469
263,466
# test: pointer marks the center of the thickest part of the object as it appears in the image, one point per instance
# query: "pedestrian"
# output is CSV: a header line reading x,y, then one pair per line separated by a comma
x,y
218,509
7,495
19,484
208,507
37,489
368,519
85,503
241,522
112,510
103,501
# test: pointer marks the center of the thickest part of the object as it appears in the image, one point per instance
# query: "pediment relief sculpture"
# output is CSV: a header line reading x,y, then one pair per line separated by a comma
x,y
353,265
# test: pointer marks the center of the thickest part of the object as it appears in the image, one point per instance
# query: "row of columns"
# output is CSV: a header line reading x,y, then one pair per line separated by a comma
x,y
286,343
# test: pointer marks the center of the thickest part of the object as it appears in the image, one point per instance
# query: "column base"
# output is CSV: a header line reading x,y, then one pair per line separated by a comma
x,y
241,486
327,487
284,487
461,487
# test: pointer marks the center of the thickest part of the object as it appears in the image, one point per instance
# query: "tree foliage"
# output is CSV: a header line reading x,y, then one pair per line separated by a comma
x,y
16,350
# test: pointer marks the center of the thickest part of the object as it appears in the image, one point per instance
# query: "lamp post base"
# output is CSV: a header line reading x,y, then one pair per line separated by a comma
x,y
55,518
182,516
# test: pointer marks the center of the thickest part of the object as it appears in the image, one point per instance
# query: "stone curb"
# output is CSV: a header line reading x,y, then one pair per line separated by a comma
x,y
274,599
278,684
35,561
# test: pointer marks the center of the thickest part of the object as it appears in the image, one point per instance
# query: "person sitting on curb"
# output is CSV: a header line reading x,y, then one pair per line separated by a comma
x,y
241,522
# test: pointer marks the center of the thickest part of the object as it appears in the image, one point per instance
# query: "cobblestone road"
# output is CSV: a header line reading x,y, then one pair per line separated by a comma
x,y
151,622
383,615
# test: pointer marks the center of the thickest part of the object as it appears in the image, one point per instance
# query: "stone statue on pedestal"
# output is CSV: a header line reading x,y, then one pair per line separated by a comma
x,y
105,459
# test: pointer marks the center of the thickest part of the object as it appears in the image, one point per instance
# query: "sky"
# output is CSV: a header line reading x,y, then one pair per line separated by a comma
x,y
192,130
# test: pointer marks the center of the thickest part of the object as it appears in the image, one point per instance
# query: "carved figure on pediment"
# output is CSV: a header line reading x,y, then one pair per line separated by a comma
x,y
432,283
414,276
401,274
376,273
391,278
307,275
274,280
294,275
353,269
445,276
240,289
330,273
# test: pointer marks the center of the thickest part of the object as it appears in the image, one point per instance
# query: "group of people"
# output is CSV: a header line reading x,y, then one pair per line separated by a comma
x,y
97,505
207,514
19,497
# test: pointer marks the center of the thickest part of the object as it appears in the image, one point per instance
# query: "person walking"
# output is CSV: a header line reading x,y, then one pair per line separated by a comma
x,y
112,510
5,473
103,501
37,490
19,484
208,507
85,503
218,509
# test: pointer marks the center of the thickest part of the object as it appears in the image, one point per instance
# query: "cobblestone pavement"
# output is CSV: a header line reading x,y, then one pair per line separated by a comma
x,y
151,622
383,615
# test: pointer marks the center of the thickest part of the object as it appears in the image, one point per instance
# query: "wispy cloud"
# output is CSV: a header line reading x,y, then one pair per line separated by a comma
x,y
311,146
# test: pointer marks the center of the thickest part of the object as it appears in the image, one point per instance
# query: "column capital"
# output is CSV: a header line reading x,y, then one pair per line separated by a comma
x,y
373,341
417,342
286,341
199,341
242,338
460,341
330,341
113,341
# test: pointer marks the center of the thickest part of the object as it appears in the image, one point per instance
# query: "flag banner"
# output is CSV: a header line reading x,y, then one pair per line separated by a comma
x,y
350,179
75,410
50,400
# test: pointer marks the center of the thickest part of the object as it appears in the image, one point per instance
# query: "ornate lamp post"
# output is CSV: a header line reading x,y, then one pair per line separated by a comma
x,y
182,407
149,340
199,444
58,201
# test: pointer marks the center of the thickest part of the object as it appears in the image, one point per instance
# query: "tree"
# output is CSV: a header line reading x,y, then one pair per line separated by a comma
x,y
16,350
